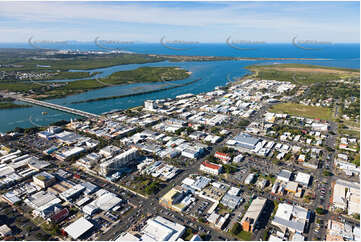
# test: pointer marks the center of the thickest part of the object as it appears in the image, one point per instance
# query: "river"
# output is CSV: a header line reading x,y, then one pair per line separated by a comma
x,y
212,74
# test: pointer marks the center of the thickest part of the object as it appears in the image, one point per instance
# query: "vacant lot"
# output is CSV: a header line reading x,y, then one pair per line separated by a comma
x,y
303,110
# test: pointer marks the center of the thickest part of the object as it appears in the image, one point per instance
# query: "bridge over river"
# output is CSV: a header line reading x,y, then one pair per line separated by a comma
x,y
54,106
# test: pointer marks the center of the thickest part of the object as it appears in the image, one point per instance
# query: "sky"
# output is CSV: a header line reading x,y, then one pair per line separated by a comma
x,y
203,22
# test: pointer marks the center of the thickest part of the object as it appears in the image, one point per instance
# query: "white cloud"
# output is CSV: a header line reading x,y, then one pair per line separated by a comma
x,y
236,18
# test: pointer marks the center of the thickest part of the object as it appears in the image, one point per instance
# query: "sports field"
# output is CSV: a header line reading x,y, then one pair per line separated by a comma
x,y
303,110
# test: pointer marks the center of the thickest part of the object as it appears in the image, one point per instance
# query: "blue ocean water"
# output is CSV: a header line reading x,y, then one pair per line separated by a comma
x,y
212,74
277,50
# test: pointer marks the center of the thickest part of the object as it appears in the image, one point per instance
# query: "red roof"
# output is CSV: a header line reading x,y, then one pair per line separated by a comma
x,y
57,217
211,165
221,154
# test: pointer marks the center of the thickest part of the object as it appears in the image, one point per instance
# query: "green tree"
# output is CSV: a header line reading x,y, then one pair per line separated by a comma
x,y
326,173
356,216
243,123
320,211
236,229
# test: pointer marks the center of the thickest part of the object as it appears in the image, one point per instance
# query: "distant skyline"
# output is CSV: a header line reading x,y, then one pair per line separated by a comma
x,y
203,22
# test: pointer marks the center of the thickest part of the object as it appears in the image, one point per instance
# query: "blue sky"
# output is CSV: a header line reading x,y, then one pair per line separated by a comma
x,y
186,21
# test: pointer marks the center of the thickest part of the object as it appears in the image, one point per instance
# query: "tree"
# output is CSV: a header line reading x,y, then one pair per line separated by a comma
x,y
28,229
152,188
320,211
265,235
179,131
326,173
236,228
276,162
356,216
287,156
202,220
229,169
243,123
190,130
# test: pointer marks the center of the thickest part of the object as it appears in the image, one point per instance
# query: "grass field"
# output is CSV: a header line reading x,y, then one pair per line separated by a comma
x,y
303,110
302,74
353,133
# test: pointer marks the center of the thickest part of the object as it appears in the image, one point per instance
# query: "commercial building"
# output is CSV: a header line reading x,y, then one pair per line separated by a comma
x,y
303,179
319,126
11,197
78,228
293,218
114,164
238,158
249,179
231,201
72,192
59,215
346,196
5,231
218,220
44,179
104,202
127,237
177,199
45,204
244,142
210,168
109,151
191,153
250,219
150,105
89,188
291,187
161,229
198,184
225,158
284,175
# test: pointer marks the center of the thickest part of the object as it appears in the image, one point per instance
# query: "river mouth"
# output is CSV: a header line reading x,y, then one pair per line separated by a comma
x,y
212,74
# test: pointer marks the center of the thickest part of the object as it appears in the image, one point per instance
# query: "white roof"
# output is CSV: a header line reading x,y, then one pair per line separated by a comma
x,y
106,201
4,229
255,209
73,151
78,228
188,181
303,178
233,191
127,237
285,211
274,238
161,229
298,237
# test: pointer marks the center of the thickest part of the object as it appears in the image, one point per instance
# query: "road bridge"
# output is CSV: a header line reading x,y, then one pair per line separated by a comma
x,y
55,106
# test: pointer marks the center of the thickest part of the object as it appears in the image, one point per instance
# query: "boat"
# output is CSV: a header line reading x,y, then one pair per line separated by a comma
x,y
44,113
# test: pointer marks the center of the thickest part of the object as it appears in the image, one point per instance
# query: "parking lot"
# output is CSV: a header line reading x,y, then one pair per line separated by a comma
x,y
199,208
